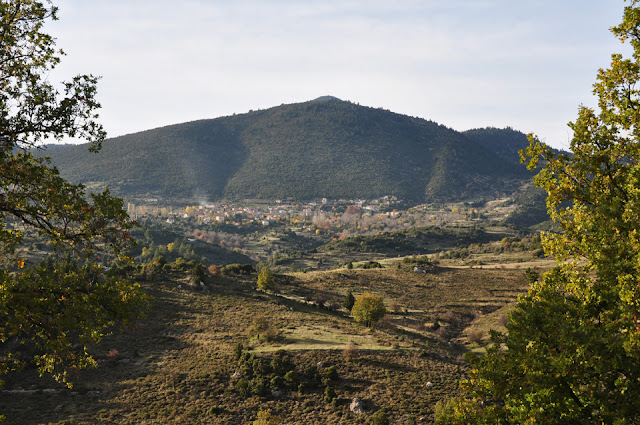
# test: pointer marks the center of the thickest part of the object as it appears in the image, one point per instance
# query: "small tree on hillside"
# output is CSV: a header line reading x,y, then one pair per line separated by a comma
x,y
266,280
368,309
349,301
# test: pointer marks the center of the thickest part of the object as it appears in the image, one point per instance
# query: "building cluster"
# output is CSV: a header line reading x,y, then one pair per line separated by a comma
x,y
262,213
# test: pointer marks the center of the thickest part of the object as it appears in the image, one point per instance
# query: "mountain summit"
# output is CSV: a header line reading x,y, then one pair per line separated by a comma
x,y
322,148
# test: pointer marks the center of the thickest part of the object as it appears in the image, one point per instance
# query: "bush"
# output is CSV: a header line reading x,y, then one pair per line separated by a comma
x,y
280,362
380,418
259,386
242,387
197,272
368,309
291,379
238,269
329,394
266,418
475,337
372,265
237,351
331,373
350,352
263,329
277,383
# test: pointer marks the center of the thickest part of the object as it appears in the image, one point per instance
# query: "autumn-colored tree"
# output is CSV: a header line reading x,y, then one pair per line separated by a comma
x,y
265,280
571,353
214,270
265,417
368,308
51,310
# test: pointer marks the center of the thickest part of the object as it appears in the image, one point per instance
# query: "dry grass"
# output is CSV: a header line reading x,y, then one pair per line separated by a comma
x,y
177,366
318,337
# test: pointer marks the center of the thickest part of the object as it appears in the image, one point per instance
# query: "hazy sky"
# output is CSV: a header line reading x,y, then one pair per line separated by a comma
x,y
462,63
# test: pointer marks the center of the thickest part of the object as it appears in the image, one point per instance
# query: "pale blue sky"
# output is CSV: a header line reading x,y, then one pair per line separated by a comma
x,y
461,63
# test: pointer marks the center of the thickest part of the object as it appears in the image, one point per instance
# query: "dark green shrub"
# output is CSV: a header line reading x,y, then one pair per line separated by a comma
x,y
242,388
259,386
280,363
260,366
238,269
291,379
349,300
197,272
372,265
277,383
237,351
329,394
331,373
313,376
379,418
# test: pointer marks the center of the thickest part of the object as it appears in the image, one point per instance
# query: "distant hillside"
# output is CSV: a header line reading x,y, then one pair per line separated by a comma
x,y
322,148
532,208
505,142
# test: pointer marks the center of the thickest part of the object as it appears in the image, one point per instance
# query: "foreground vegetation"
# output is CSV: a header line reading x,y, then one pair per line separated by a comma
x,y
184,363
571,353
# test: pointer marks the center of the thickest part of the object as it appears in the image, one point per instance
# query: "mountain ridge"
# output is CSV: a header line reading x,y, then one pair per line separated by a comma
x,y
328,148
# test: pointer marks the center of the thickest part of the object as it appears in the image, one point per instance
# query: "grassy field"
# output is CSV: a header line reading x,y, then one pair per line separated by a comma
x,y
180,365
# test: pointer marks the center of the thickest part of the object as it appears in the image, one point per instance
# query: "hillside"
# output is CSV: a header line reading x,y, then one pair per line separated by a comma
x,y
505,142
323,148
197,358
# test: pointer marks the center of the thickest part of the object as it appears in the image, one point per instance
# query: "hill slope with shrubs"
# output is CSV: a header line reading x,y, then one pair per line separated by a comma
x,y
325,148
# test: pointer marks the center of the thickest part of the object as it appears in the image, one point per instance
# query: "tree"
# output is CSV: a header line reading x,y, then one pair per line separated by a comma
x,y
349,301
571,353
265,280
368,309
52,309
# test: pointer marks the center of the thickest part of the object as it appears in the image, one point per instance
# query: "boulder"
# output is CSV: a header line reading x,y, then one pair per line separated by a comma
x,y
356,405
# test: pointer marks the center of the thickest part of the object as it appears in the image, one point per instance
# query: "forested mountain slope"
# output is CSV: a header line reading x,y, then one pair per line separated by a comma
x,y
323,148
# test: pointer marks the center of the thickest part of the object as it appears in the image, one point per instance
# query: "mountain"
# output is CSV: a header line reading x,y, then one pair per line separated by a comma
x,y
505,142
322,148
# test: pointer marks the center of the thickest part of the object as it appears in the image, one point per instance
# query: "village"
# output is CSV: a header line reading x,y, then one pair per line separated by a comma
x,y
341,216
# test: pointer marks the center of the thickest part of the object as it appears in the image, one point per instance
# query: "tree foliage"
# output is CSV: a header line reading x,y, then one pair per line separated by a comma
x,y
51,310
368,309
266,280
572,351
349,301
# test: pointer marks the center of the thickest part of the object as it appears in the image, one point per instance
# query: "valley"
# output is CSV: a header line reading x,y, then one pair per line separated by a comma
x,y
207,352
